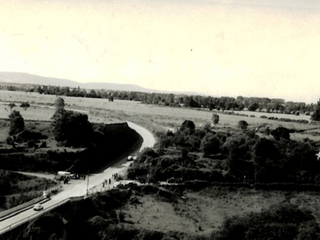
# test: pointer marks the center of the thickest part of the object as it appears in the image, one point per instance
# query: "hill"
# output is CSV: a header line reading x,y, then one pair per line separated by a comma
x,y
25,78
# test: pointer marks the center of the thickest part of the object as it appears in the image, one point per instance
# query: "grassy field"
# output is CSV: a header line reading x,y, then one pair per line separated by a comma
x,y
165,115
201,212
155,118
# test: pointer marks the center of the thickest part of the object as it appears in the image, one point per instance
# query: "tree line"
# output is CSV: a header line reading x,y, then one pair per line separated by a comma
x,y
176,100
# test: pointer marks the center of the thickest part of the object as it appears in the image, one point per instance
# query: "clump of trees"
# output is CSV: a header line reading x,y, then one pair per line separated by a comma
x,y
316,114
233,155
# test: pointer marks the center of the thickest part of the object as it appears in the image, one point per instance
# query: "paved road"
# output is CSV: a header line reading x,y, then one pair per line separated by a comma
x,y
78,187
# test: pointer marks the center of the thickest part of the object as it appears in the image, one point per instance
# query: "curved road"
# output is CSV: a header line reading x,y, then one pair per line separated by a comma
x,y
77,187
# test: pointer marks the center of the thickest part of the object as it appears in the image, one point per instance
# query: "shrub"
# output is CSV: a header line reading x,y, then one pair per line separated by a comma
x,y
16,122
281,133
210,144
242,125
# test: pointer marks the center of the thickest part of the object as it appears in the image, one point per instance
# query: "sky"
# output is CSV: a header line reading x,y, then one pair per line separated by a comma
x,y
250,48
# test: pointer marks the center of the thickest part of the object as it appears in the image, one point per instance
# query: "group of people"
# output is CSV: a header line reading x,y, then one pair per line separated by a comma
x,y
109,181
106,182
115,176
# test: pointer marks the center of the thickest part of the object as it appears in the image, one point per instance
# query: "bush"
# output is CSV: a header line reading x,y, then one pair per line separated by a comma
x,y
210,144
16,123
281,133
242,125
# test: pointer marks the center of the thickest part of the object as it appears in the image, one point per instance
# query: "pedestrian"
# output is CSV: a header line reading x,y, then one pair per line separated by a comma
x,y
109,180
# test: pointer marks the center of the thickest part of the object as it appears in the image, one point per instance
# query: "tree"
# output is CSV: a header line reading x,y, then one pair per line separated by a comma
x,y
111,98
253,107
215,119
59,103
190,102
239,150
40,90
16,122
72,128
25,105
316,114
265,155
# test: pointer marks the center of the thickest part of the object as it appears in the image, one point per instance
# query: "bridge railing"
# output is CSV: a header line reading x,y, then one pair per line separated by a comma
x,y
33,216
24,206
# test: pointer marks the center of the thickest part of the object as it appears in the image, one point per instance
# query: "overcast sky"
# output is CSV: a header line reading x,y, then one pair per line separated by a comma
x,y
222,48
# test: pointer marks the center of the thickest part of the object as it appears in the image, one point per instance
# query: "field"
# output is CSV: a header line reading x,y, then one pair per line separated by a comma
x,y
204,211
143,212
155,118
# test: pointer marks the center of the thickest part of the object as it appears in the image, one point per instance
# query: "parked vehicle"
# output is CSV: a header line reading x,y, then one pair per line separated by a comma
x,y
65,174
131,158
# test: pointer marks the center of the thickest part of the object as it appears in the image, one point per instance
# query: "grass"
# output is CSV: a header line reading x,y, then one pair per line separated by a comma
x,y
202,212
21,188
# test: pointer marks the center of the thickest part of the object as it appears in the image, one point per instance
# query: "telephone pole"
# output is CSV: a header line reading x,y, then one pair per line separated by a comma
x,y
88,184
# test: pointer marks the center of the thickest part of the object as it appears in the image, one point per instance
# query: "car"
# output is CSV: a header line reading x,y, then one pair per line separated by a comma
x,y
38,207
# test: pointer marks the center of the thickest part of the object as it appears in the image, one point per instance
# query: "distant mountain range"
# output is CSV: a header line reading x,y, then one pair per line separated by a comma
x,y
25,78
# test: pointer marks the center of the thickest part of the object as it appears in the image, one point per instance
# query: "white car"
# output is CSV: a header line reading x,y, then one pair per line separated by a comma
x,y
38,207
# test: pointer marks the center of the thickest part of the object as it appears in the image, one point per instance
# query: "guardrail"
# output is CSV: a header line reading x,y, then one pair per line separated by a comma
x,y
24,206
19,208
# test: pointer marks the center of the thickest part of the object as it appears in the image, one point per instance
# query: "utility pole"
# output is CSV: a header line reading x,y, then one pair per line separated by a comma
x,y
88,183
